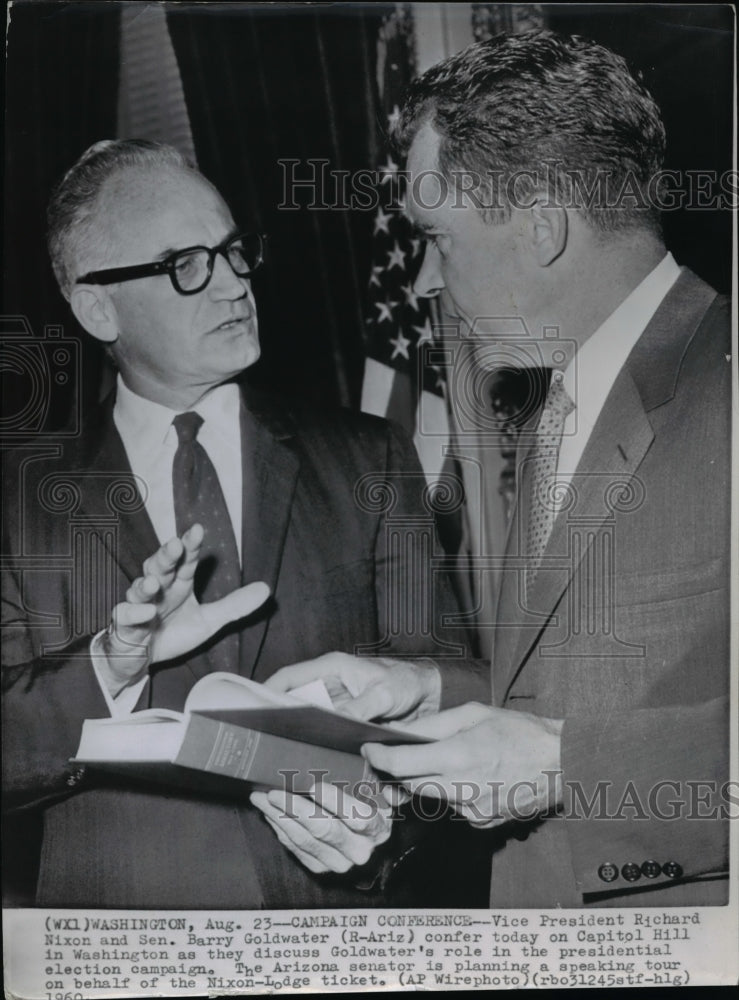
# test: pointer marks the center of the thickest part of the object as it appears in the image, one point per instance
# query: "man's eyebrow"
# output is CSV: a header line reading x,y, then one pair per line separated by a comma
x,y
169,251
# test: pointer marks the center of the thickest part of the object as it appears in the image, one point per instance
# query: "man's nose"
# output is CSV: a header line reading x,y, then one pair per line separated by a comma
x,y
429,281
224,282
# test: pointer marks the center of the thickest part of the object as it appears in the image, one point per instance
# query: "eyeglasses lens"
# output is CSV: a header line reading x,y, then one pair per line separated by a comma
x,y
192,270
245,253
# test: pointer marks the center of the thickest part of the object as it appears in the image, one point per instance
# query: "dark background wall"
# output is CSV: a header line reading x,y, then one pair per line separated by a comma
x,y
685,54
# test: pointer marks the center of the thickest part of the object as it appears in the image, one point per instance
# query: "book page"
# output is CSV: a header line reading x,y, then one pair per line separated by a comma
x,y
224,690
154,734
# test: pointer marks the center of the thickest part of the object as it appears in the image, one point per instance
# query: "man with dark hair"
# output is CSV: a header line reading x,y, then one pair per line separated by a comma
x,y
602,756
179,493
537,115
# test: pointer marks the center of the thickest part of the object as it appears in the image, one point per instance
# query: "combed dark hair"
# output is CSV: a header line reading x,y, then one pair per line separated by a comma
x,y
560,107
71,212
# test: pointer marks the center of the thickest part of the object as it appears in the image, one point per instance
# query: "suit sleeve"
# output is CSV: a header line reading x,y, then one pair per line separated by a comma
x,y
44,705
463,682
416,602
648,788
661,770
45,700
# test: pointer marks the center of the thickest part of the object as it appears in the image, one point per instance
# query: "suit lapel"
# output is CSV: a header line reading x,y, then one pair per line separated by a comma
x,y
270,476
111,490
612,456
113,487
270,472
619,441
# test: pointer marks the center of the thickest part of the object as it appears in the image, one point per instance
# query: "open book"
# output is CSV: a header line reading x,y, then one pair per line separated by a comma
x,y
234,734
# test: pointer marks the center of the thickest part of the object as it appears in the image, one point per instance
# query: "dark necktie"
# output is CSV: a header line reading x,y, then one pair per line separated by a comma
x,y
542,499
198,499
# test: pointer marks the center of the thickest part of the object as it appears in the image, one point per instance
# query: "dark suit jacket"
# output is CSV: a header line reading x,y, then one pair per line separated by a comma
x,y
326,500
626,634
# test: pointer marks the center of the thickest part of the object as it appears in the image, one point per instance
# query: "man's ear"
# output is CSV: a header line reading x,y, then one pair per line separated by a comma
x,y
96,312
548,232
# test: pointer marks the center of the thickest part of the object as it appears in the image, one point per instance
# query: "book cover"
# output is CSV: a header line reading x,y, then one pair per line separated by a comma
x,y
235,734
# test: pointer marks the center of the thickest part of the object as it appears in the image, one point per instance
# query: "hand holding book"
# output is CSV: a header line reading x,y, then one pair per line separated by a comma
x,y
235,733
368,688
334,832
330,832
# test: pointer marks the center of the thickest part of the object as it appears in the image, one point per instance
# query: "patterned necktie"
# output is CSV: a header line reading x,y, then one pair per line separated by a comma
x,y
198,498
542,502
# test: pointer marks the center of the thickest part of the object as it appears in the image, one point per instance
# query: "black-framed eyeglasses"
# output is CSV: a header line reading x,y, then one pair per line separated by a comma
x,y
190,269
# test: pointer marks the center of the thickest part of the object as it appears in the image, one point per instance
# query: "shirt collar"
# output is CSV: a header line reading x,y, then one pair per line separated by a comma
x,y
143,421
590,375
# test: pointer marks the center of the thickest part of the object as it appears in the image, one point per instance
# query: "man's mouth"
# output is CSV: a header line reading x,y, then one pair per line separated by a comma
x,y
231,324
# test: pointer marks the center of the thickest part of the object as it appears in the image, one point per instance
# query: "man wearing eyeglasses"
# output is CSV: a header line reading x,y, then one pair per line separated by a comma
x,y
232,498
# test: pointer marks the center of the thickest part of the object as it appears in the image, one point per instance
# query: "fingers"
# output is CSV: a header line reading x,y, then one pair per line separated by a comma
x,y
395,794
143,590
126,645
409,761
131,616
396,690
298,674
441,725
311,844
193,538
191,541
322,839
178,555
363,688
164,561
426,760
290,677
337,692
128,635
378,701
310,862
260,800
369,816
238,604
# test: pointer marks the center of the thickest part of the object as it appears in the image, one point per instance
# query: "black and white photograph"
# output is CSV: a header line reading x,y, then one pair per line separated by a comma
x,y
369,390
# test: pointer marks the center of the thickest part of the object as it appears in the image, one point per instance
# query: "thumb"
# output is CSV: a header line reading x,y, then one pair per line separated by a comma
x,y
442,725
238,604
395,794
376,702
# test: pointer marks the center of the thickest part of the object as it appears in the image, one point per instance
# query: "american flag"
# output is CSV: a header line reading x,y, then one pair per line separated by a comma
x,y
399,324
399,321
404,336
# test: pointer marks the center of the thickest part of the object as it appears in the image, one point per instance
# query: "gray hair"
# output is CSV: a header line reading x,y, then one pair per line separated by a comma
x,y
72,231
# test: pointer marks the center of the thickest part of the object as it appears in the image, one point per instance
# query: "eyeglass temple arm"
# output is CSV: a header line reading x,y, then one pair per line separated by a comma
x,y
110,276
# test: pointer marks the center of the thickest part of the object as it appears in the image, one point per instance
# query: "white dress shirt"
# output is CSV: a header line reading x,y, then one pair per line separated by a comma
x,y
150,441
590,375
